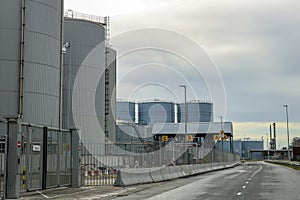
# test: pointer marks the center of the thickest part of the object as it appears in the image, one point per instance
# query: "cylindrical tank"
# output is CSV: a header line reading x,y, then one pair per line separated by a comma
x,y
198,111
156,112
125,111
84,63
30,38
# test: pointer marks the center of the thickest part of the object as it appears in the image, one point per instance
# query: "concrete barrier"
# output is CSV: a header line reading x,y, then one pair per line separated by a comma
x,y
187,170
165,173
156,175
175,172
127,177
133,176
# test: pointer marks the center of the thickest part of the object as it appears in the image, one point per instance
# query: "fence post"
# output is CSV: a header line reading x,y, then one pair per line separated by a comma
x,y
76,151
14,133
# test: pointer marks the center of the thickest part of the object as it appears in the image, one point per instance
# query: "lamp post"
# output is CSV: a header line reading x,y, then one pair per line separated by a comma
x,y
67,46
222,137
185,123
287,129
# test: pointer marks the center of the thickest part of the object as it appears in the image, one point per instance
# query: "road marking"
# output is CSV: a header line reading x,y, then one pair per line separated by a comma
x,y
42,194
239,193
244,186
260,168
247,182
249,179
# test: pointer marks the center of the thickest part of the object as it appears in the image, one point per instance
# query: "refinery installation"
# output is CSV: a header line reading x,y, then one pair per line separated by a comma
x,y
62,126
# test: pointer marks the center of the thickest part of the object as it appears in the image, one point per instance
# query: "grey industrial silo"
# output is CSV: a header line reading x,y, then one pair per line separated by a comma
x,y
30,38
125,111
152,112
197,111
84,92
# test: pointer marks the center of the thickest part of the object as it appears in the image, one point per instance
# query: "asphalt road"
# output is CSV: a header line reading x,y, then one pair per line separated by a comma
x,y
252,180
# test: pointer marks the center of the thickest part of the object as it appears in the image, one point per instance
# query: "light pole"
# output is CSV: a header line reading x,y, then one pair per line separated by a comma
x,y
222,137
287,129
67,46
185,123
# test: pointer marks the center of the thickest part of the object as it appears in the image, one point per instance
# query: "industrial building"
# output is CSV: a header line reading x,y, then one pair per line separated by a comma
x,y
57,72
155,119
296,148
243,147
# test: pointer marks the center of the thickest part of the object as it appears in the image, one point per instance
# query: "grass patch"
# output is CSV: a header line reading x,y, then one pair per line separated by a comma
x,y
285,164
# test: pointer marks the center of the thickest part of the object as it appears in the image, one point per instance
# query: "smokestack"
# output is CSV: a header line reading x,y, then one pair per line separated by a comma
x,y
274,130
270,132
271,140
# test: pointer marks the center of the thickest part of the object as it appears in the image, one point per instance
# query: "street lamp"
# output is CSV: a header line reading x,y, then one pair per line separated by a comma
x,y
222,137
287,129
65,48
185,123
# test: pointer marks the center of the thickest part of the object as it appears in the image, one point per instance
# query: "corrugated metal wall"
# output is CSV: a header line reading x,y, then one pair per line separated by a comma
x,y
125,111
197,112
41,59
156,112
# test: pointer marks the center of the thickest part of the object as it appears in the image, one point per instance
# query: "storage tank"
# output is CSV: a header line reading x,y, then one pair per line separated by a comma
x,y
125,111
30,38
84,77
156,111
198,111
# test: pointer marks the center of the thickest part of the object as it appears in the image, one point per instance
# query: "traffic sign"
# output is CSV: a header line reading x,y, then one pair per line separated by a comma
x,y
189,138
164,138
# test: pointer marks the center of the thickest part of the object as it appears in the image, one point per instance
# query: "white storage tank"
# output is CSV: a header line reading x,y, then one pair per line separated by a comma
x,y
198,111
156,111
30,38
83,103
125,111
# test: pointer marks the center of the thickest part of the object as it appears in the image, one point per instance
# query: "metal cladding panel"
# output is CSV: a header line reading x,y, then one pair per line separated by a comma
x,y
10,17
125,111
85,37
42,62
197,112
41,59
156,112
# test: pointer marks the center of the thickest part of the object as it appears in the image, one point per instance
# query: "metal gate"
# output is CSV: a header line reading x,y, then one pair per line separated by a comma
x,y
96,167
3,153
45,158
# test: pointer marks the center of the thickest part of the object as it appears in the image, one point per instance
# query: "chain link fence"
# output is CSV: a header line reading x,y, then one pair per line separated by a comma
x,y
100,162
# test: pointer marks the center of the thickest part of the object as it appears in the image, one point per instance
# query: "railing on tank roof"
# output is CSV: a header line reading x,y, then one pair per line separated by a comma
x,y
77,15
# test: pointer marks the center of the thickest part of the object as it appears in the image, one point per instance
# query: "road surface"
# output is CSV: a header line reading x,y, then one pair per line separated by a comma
x,y
251,180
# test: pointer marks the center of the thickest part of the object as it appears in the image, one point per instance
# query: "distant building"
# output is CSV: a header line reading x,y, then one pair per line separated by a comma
x,y
296,148
242,147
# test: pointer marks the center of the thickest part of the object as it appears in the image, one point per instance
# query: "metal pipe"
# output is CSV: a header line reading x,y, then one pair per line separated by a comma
x,y
274,130
61,66
287,130
21,72
69,91
185,123
271,140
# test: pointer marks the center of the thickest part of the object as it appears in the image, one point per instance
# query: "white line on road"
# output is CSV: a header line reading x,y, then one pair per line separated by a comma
x,y
249,179
42,194
260,167
239,193
247,182
244,186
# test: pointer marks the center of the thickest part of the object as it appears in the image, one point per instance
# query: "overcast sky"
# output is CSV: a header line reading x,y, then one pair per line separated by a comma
x,y
253,45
